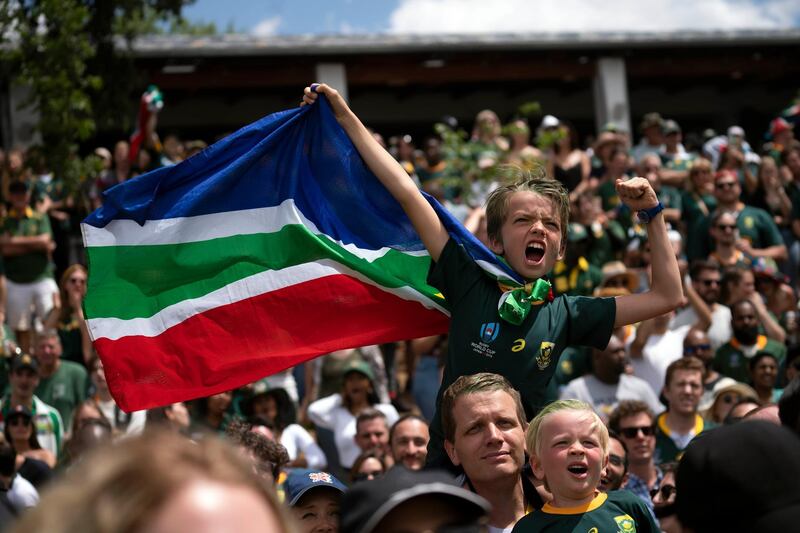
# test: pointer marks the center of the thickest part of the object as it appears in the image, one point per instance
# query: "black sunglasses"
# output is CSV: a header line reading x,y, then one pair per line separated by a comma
x,y
666,491
697,348
367,476
631,433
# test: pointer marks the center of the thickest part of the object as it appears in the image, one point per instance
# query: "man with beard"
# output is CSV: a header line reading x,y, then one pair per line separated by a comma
x,y
732,357
608,383
676,427
408,440
615,474
706,278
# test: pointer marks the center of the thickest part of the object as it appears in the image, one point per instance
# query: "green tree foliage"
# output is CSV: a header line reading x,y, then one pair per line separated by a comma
x,y
75,57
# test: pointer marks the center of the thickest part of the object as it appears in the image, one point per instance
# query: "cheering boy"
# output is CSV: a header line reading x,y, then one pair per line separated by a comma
x,y
516,332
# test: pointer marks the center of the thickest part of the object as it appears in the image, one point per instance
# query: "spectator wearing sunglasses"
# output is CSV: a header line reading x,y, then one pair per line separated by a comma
x,y
704,311
633,421
726,394
664,500
740,410
758,234
615,474
370,465
725,234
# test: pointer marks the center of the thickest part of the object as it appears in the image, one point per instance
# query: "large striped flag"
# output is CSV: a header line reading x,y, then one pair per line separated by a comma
x,y
271,247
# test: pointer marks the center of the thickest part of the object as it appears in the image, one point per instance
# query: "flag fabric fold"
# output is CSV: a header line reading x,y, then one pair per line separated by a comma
x,y
271,247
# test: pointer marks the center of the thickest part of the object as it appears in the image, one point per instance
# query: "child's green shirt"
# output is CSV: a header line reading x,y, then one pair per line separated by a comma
x,y
618,511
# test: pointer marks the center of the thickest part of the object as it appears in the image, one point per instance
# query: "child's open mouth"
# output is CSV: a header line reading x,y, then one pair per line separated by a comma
x,y
578,470
534,252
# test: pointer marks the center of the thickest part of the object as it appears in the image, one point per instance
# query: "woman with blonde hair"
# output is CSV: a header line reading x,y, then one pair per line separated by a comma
x,y
157,483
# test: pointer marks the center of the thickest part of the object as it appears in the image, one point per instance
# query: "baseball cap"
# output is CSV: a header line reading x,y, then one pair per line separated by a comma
x,y
18,362
650,120
747,473
735,131
361,367
670,126
368,503
300,481
779,125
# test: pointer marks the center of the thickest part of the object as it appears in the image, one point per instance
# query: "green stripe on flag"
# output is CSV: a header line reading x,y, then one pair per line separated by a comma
x,y
139,281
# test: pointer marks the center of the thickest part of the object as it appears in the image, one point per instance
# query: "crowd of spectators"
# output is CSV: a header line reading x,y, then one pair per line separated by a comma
x,y
340,442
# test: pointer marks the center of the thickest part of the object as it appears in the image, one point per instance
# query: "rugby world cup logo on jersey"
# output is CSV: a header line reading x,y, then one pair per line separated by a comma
x,y
489,331
487,334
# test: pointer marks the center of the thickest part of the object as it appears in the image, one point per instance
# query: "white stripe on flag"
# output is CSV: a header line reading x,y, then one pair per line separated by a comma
x,y
256,285
214,226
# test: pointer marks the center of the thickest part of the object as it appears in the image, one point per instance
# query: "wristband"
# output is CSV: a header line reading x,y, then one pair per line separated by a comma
x,y
646,215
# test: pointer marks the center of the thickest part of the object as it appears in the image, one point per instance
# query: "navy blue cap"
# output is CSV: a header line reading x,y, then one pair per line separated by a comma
x,y
300,481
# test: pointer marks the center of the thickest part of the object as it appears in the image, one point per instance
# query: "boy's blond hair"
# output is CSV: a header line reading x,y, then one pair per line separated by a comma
x,y
533,436
516,179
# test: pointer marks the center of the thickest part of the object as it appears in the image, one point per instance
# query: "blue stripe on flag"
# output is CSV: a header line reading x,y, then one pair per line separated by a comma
x,y
301,154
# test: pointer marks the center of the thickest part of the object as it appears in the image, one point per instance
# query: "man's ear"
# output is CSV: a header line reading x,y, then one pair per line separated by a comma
x,y
496,246
451,452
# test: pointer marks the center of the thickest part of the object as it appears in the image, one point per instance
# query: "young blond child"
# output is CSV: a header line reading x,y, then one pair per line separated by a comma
x,y
527,219
568,447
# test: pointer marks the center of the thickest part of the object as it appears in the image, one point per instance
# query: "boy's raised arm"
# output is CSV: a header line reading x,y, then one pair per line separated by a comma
x,y
389,172
666,292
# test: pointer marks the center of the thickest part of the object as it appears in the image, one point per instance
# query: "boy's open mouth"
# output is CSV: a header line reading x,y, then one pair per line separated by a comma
x,y
534,252
578,470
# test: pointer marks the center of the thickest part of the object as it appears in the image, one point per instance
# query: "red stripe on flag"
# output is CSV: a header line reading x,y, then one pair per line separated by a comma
x,y
239,343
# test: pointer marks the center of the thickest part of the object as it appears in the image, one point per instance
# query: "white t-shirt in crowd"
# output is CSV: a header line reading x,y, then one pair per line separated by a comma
x,y
721,329
657,354
604,397
297,440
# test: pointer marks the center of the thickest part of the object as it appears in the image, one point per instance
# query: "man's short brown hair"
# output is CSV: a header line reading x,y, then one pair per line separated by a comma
x,y
516,179
474,384
689,363
627,408
371,414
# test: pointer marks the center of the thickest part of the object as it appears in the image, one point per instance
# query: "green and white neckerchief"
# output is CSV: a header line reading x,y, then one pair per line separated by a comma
x,y
516,302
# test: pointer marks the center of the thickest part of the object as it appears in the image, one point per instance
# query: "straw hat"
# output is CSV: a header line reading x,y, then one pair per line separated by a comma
x,y
616,269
